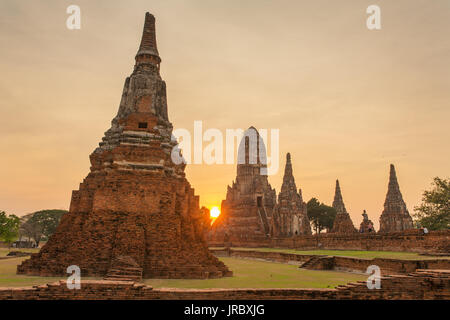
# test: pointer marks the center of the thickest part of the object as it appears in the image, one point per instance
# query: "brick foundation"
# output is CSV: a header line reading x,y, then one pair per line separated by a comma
x,y
387,266
422,284
406,241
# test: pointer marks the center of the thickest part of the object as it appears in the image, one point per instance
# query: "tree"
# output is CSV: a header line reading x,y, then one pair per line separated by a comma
x,y
434,211
321,215
41,225
9,227
30,229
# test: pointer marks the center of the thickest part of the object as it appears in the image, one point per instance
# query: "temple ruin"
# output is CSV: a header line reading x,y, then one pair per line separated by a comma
x,y
135,209
395,216
290,215
342,223
246,213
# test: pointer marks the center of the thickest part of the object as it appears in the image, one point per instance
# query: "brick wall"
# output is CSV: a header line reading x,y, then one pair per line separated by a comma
x,y
422,284
387,266
406,241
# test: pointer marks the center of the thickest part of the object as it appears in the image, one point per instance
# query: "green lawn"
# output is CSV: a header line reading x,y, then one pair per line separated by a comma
x,y
247,274
259,274
9,278
352,253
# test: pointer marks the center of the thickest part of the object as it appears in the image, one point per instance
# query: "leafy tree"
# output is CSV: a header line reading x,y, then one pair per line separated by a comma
x,y
434,211
9,227
41,225
320,215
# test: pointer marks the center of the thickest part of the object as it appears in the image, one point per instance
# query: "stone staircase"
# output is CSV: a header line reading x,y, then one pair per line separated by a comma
x,y
263,217
319,263
124,268
310,262
124,274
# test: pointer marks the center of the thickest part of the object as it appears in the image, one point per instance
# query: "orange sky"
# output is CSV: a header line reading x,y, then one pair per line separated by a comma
x,y
348,101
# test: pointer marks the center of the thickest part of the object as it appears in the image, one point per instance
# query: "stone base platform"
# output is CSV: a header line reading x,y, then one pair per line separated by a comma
x,y
422,284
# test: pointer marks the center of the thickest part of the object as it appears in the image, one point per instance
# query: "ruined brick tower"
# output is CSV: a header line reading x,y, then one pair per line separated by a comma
x,y
246,212
395,216
290,217
342,223
135,205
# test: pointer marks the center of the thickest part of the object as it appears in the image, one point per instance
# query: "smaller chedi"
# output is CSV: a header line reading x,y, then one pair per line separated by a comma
x,y
366,225
290,215
342,223
395,216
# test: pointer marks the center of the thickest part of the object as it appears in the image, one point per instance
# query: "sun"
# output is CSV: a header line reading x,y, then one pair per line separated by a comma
x,y
215,212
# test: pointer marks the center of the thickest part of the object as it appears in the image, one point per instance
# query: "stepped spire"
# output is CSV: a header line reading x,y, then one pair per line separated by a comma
x,y
290,217
338,202
288,178
148,46
395,216
247,211
393,195
144,209
288,168
342,223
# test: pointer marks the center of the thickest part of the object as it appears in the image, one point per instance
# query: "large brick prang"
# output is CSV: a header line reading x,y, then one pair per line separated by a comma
x,y
135,202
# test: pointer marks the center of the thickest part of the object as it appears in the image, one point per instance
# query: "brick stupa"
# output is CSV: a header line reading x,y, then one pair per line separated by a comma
x,y
135,206
246,212
395,216
342,223
290,216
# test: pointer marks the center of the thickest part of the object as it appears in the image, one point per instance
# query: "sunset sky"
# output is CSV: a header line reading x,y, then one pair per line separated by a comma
x,y
347,101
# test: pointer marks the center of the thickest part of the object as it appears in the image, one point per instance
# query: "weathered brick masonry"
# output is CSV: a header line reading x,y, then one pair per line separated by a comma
x,y
395,216
422,284
407,241
290,214
342,223
322,262
135,204
247,211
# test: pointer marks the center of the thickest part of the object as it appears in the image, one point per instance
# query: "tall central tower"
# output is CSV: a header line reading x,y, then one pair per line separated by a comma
x,y
247,210
135,206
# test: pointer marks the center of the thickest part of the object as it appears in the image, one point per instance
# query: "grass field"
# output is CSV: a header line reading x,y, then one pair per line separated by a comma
x,y
259,274
247,274
9,278
352,253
